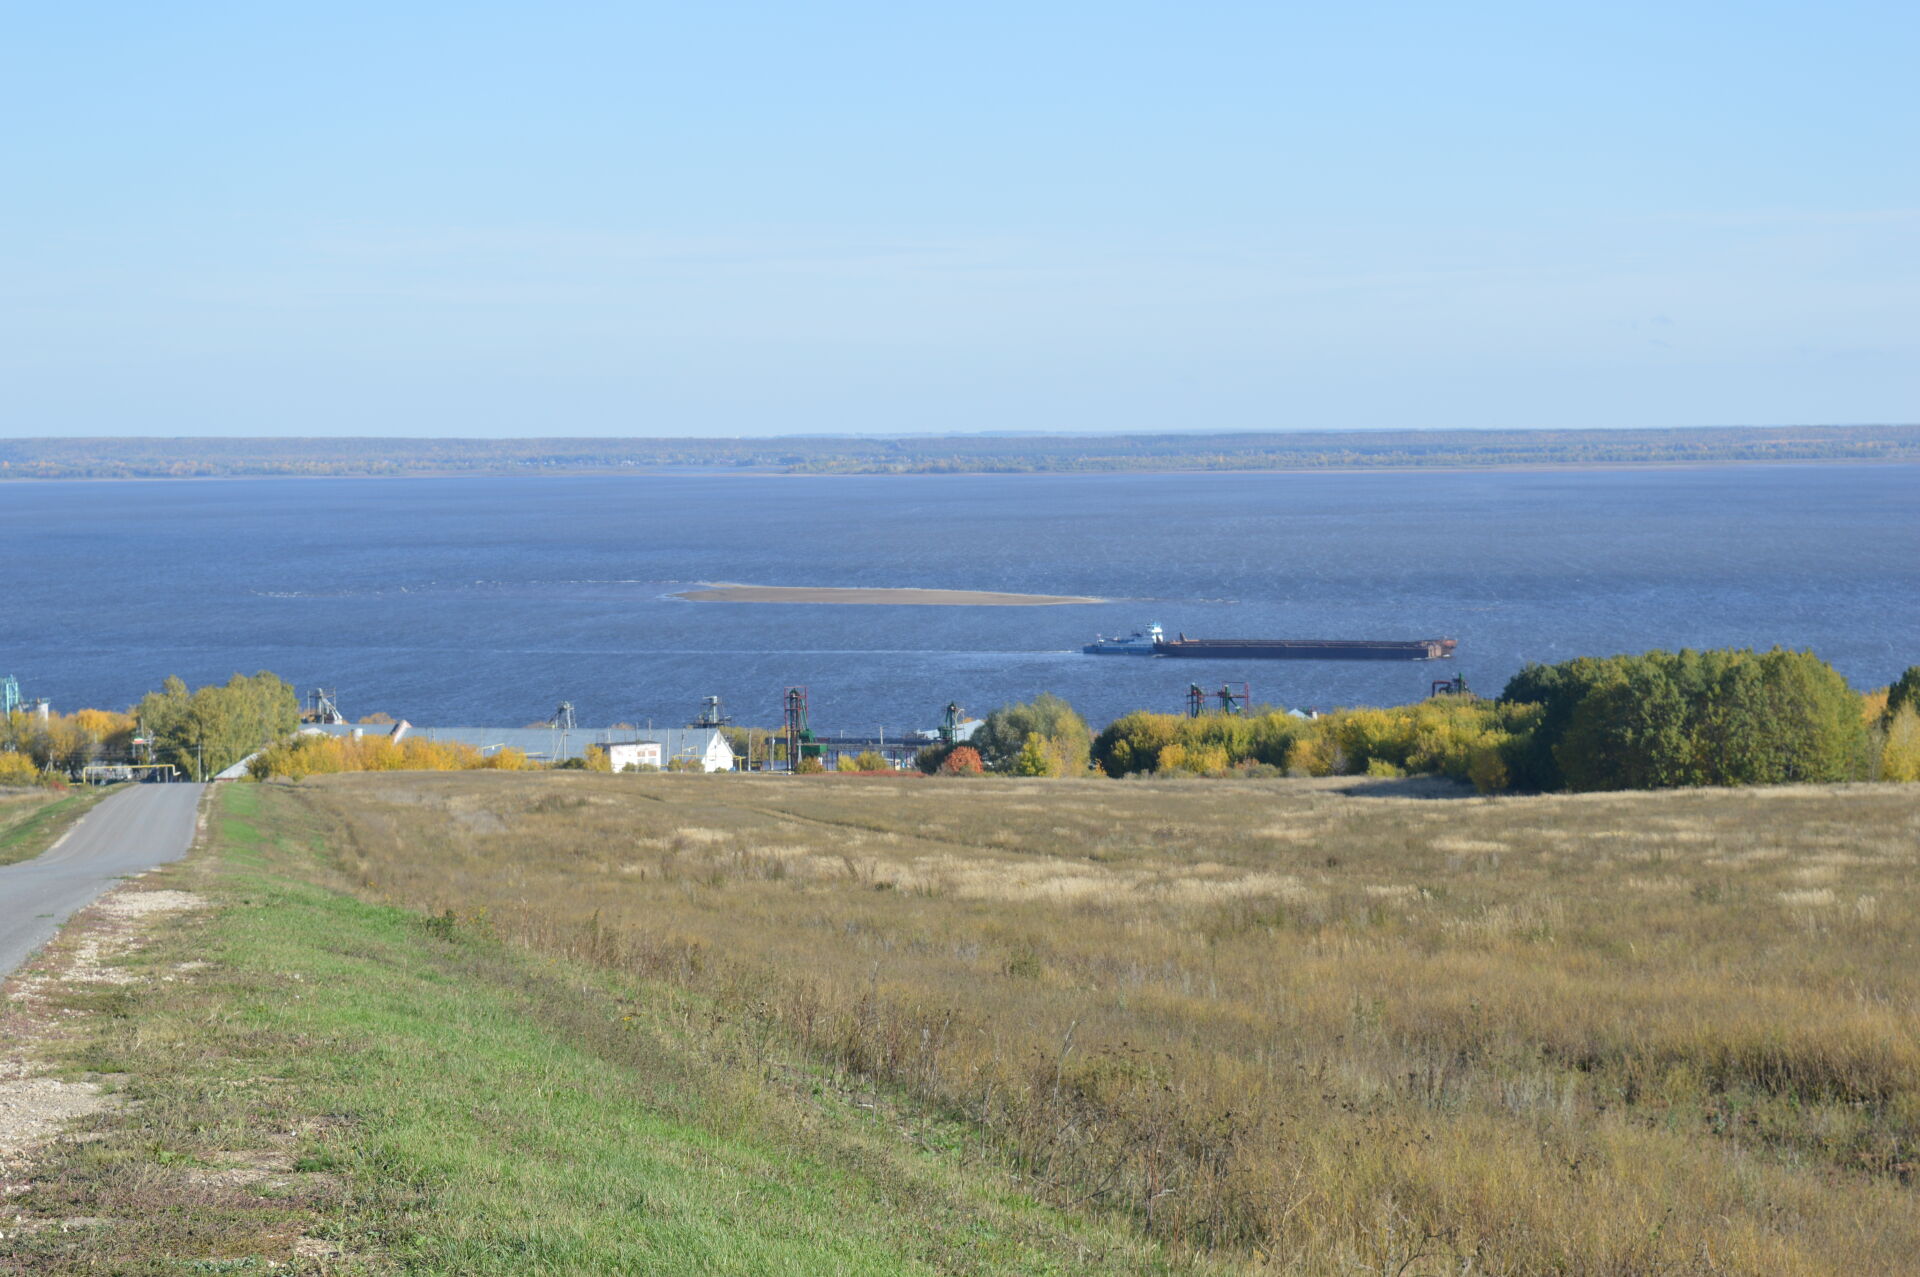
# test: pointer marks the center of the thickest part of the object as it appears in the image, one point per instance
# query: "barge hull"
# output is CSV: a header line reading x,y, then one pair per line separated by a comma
x,y
1309,649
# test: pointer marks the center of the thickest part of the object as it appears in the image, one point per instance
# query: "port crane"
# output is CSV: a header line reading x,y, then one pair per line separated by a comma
x,y
1233,698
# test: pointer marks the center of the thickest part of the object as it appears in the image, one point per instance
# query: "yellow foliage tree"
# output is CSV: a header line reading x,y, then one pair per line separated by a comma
x,y
1900,748
17,769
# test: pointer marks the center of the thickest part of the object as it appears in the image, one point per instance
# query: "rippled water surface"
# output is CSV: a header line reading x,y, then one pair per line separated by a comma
x,y
488,600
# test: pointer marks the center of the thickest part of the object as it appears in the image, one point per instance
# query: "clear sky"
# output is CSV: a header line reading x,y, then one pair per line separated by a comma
x,y
713,218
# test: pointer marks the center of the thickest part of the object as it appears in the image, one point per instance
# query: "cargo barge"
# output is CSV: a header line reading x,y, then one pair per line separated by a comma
x,y
1433,649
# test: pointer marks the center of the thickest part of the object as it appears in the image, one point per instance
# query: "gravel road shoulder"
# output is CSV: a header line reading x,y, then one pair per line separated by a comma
x,y
38,1103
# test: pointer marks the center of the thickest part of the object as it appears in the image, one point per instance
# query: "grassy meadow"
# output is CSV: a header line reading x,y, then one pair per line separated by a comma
x,y
1295,1025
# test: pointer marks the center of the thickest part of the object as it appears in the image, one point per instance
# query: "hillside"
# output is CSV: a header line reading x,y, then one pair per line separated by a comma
x,y
1293,1026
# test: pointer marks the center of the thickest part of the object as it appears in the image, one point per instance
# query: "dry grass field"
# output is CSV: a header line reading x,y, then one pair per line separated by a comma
x,y
1316,1026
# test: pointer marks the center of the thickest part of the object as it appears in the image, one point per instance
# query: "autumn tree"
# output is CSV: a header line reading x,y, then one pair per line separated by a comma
x,y
1039,756
1900,745
209,729
1002,737
962,760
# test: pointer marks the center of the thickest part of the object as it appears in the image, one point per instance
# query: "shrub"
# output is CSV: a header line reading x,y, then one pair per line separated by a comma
x,y
319,755
962,760
17,769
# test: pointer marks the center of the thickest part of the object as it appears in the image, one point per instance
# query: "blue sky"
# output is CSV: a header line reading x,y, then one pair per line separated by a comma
x,y
716,219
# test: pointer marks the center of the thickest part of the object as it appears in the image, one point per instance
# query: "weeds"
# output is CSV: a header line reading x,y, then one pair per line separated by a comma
x,y
1343,1032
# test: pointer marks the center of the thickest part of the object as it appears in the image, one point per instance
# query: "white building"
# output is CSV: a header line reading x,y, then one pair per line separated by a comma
x,y
632,755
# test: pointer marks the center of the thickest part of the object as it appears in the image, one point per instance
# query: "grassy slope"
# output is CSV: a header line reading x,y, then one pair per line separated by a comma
x,y
427,1101
1588,1034
31,825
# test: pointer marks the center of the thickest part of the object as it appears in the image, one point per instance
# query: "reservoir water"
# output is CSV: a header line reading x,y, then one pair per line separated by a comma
x,y
488,600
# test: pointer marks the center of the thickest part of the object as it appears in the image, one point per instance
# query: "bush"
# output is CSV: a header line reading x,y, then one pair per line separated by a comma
x,y
319,755
17,769
1138,742
962,760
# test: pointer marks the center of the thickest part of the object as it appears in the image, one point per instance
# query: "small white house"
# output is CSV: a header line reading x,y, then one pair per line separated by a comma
x,y
634,754
705,746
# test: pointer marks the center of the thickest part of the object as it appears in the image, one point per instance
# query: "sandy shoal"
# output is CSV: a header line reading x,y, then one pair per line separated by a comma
x,y
721,592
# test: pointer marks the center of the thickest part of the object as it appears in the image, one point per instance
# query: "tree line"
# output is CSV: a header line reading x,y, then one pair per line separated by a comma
x,y
201,732
1655,720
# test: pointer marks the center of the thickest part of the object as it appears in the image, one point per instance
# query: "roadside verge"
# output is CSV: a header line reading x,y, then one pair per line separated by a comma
x,y
27,834
296,1077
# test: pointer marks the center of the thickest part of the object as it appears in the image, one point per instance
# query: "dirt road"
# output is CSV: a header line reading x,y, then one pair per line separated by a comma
x,y
129,833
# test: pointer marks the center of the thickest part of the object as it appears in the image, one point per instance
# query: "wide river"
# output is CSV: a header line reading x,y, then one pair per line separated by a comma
x,y
486,601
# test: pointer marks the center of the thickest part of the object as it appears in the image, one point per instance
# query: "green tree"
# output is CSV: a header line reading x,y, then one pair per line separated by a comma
x,y
1003,735
209,729
1904,692
1663,719
1132,742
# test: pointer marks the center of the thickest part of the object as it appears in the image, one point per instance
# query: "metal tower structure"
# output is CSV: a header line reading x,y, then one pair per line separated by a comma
x,y
799,733
9,695
323,706
950,725
711,714
562,723
1233,697
1455,686
1233,703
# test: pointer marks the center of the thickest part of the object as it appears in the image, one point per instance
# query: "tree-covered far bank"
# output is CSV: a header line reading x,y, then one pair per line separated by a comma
x,y
237,457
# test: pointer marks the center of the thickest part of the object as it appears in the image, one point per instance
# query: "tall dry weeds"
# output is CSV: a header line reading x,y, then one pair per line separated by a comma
x,y
1328,1032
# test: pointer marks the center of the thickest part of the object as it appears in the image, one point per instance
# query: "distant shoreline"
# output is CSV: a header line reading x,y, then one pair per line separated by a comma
x,y
728,592
24,459
697,472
